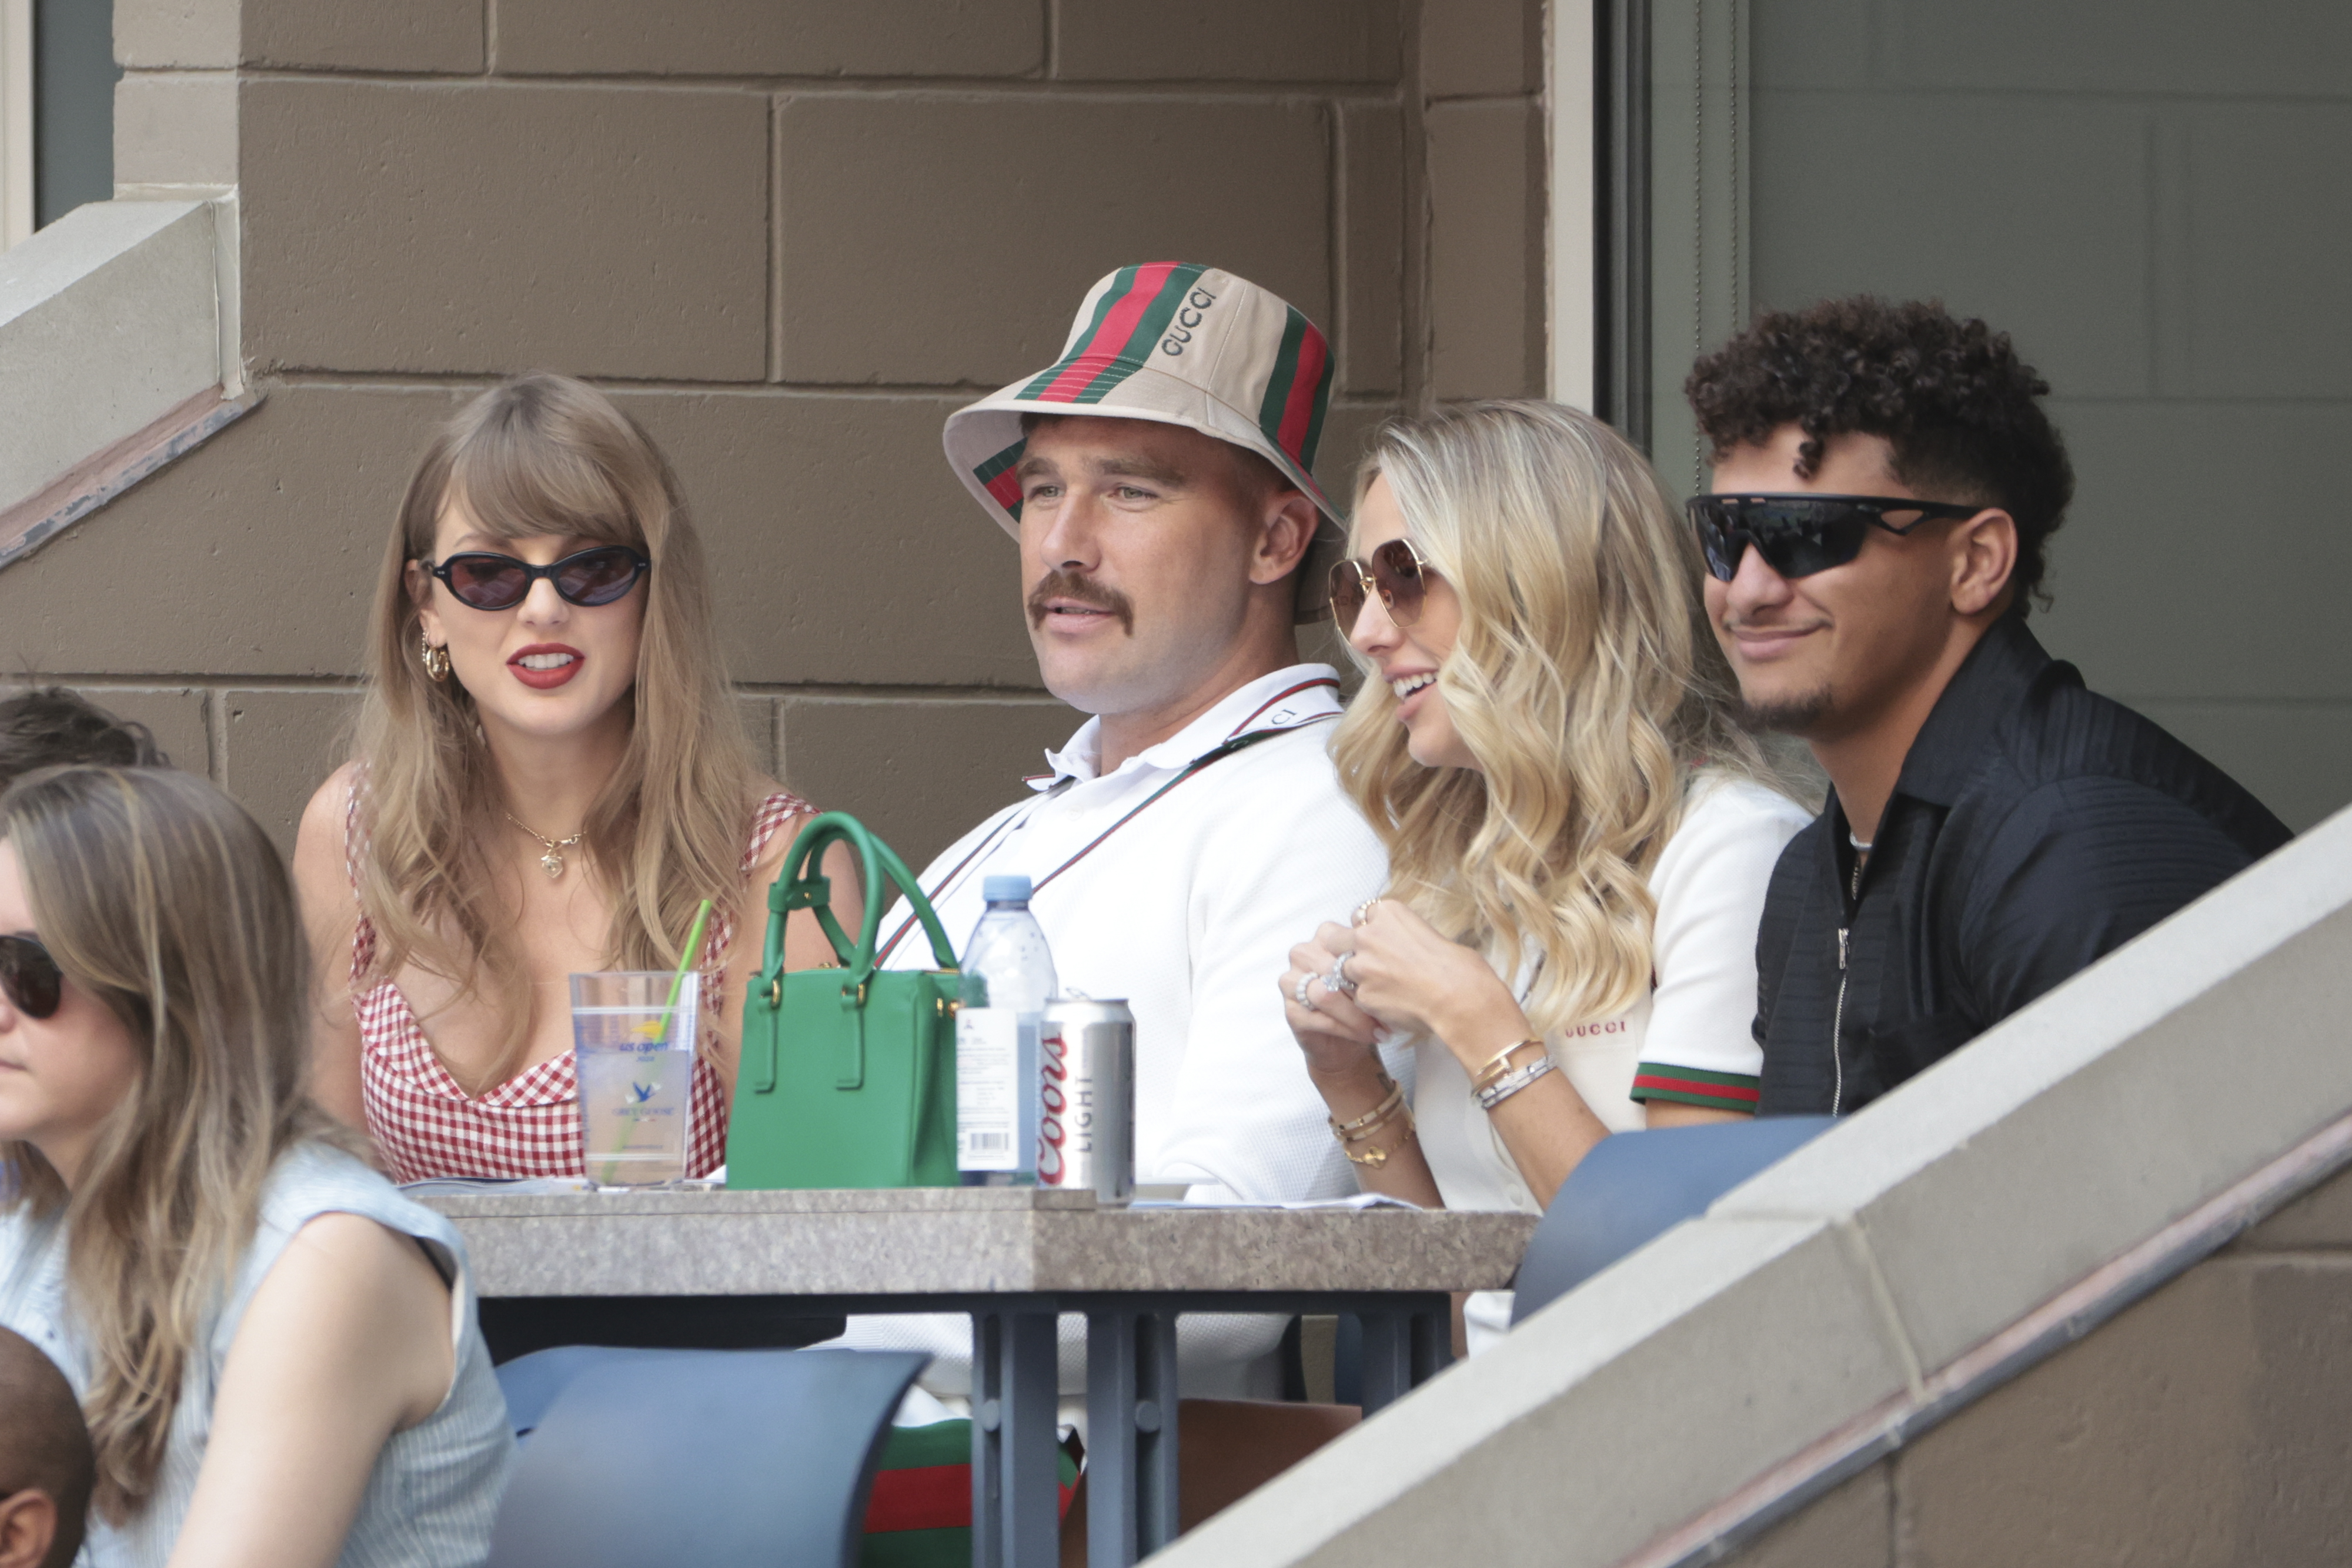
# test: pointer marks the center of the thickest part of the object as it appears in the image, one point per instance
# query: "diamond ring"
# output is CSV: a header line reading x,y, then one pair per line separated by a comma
x,y
1338,980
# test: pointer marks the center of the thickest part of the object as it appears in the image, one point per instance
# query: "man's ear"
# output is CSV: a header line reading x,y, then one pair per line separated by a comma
x,y
1286,523
1983,557
28,1523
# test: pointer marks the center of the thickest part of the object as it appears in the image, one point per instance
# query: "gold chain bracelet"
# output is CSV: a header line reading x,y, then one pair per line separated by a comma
x,y
1376,1157
1362,1128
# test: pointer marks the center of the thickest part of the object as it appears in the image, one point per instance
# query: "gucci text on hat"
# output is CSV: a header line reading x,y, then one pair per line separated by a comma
x,y
1182,344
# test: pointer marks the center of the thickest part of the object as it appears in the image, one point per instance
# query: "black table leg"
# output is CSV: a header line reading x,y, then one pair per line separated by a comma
x,y
1405,1346
1131,1436
1015,1466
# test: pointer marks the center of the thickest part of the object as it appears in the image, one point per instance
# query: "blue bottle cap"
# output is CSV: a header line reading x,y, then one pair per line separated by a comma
x,y
1006,889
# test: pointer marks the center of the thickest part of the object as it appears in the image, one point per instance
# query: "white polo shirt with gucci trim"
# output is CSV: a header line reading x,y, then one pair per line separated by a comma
x,y
1188,910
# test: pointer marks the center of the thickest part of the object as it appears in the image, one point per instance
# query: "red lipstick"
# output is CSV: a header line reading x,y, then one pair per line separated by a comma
x,y
563,662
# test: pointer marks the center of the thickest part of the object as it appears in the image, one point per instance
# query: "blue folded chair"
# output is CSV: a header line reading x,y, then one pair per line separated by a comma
x,y
724,1458
530,1383
1637,1186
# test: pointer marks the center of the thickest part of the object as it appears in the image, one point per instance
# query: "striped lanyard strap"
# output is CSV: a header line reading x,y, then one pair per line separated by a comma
x,y
1242,739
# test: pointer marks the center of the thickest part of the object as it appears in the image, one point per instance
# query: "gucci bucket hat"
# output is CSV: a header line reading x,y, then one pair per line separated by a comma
x,y
1183,344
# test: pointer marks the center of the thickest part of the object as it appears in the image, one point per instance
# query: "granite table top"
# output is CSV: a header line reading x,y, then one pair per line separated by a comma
x,y
944,1241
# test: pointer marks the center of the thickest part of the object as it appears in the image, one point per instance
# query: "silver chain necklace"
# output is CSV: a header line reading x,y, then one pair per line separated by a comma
x,y
552,863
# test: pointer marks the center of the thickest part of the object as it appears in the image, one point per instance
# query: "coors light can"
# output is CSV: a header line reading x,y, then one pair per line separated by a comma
x,y
1086,1129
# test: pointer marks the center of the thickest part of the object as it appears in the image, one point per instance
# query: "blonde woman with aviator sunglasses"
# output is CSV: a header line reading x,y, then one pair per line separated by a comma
x,y
1580,834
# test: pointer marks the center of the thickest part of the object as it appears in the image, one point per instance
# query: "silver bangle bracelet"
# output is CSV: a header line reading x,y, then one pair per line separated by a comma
x,y
1511,1082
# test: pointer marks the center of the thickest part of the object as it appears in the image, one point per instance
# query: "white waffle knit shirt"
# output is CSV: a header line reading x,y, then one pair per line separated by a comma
x,y
1709,884
1188,912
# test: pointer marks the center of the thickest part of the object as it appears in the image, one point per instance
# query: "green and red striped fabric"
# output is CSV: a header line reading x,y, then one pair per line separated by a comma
x,y
921,1514
1128,319
997,478
1298,391
1696,1086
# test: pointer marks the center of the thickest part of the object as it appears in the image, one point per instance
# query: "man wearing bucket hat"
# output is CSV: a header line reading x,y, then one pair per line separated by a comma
x,y
1156,480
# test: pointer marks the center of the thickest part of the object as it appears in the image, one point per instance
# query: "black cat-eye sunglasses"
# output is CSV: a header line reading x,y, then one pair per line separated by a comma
x,y
484,580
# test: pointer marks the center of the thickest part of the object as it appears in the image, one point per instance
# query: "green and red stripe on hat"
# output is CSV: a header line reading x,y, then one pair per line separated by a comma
x,y
1182,343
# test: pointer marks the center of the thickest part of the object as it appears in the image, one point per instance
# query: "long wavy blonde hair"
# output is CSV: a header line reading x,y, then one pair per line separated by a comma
x,y
162,898
547,454
1584,679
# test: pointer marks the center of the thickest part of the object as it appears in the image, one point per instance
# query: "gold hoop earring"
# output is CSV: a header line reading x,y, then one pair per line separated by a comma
x,y
437,660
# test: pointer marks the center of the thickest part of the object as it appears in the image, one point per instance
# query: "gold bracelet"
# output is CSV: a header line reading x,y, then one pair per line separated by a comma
x,y
1347,1131
1370,1127
1375,1129
1496,1070
1376,1157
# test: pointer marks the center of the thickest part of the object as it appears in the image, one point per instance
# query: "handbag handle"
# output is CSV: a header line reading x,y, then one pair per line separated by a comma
x,y
800,885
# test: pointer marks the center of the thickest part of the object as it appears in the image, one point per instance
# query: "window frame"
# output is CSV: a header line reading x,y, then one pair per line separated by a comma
x,y
16,121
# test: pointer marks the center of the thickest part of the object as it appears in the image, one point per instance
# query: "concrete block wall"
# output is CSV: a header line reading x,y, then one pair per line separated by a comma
x,y
789,238
2201,1429
1482,70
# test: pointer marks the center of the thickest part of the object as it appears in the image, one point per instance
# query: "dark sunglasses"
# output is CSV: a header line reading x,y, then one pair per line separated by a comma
x,y
1801,535
592,576
1395,571
29,977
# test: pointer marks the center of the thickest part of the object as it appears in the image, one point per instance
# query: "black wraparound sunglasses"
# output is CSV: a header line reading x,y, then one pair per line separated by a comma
x,y
1800,535
483,581
29,977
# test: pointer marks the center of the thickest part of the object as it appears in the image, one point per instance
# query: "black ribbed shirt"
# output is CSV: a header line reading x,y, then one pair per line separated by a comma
x,y
2035,828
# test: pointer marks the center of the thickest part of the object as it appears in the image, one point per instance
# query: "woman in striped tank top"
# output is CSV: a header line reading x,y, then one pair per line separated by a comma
x,y
276,1353
550,774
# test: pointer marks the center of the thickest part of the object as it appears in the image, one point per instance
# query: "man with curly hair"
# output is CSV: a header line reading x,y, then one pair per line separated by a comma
x,y
1886,485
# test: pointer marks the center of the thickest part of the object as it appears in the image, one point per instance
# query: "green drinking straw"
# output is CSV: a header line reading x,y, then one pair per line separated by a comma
x,y
686,963
655,1029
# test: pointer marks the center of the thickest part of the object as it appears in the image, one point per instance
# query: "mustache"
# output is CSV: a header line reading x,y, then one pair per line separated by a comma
x,y
1060,584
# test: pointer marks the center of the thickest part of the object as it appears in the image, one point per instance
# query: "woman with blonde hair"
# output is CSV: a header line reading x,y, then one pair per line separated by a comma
x,y
275,1352
1580,834
550,777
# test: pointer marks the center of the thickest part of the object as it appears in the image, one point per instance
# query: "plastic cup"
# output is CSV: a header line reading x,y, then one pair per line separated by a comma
x,y
633,1056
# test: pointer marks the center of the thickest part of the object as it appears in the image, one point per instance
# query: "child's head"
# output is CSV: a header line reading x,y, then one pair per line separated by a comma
x,y
50,726
45,1460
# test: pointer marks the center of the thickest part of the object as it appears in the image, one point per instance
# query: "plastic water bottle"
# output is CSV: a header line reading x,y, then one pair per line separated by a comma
x,y
1008,979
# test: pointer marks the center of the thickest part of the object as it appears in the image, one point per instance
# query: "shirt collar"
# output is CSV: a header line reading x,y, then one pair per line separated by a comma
x,y
1987,688
1285,699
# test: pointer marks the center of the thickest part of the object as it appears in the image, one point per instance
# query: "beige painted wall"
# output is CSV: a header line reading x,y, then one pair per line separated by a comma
x,y
2204,1427
790,238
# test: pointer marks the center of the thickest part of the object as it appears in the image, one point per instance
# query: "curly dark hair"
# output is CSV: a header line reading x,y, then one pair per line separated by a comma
x,y
49,726
1951,396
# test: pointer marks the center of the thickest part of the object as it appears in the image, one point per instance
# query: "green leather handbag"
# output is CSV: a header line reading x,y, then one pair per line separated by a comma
x,y
848,1075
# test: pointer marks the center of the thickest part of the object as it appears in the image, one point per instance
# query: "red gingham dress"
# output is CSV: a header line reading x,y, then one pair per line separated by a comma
x,y
529,1125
